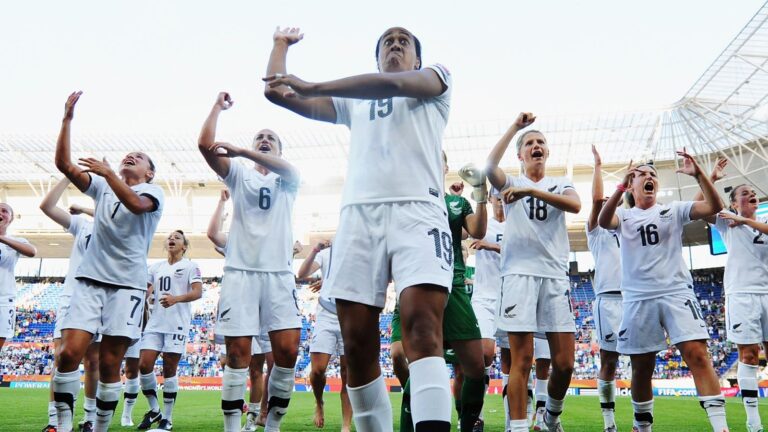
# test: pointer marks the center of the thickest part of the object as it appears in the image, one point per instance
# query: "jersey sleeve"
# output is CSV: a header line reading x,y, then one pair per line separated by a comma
x,y
153,192
151,274
620,213
97,186
566,184
76,224
721,225
234,176
194,273
683,211
343,111
444,100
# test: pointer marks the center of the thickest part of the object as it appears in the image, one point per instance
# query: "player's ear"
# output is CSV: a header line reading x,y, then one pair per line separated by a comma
x,y
150,176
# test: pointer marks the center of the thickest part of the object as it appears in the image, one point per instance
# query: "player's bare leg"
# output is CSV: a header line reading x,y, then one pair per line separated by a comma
x,y
53,421
562,346
90,382
346,406
643,366
749,366
696,356
66,379
111,353
319,362
234,381
360,331
399,362
521,358
262,420
170,388
256,371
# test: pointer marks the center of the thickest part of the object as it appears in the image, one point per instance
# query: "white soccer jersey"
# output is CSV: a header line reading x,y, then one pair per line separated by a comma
x,y
651,250
395,146
323,259
172,279
8,259
261,235
117,253
82,230
746,270
488,264
535,235
605,248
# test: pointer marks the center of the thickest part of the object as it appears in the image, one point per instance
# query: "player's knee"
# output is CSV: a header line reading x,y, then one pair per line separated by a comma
x,y
67,358
698,358
750,355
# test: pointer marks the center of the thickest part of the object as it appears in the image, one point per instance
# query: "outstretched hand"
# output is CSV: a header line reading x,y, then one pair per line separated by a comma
x,y
99,167
718,172
225,149
512,194
69,106
524,120
224,101
735,220
690,166
297,86
288,35
596,155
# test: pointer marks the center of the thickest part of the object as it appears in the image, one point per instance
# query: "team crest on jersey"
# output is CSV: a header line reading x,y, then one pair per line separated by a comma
x,y
665,214
179,273
454,206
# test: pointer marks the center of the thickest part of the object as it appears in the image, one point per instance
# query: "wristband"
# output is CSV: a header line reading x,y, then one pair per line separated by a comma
x,y
621,188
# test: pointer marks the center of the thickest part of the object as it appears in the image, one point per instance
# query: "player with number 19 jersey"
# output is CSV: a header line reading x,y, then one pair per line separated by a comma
x,y
176,280
393,211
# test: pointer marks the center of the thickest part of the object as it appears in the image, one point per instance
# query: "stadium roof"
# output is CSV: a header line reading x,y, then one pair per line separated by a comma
x,y
725,112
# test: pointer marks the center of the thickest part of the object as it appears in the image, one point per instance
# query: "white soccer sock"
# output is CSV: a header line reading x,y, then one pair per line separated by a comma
x,y
66,386
747,377
53,419
254,408
607,393
232,397
280,388
554,408
149,389
89,407
371,408
518,426
715,407
170,388
430,392
643,415
107,396
130,393
504,383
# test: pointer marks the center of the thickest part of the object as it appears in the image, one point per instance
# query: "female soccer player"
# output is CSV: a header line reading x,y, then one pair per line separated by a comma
x,y
657,288
109,298
604,246
258,291
11,248
393,222
81,229
534,265
746,286
175,284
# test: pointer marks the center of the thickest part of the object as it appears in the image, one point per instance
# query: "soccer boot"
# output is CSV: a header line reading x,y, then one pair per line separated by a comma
x,y
165,425
149,418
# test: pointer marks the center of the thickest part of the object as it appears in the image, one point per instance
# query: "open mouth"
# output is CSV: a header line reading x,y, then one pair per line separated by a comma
x,y
129,162
537,154
648,187
753,200
265,148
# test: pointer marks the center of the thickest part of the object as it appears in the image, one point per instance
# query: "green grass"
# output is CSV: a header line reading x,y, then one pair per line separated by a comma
x,y
25,410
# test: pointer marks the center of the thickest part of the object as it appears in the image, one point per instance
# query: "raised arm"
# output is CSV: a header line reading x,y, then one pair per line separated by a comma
x,y
215,226
135,203
315,108
276,164
23,248
206,143
711,203
607,218
477,223
496,175
75,209
309,265
63,156
718,173
597,191
48,206
737,220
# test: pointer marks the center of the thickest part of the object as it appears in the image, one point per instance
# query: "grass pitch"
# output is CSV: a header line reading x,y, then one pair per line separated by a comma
x,y
25,410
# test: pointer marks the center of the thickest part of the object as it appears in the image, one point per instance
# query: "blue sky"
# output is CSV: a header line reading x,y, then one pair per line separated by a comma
x,y
156,66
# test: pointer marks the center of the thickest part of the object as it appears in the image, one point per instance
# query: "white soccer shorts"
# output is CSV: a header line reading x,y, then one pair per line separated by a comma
x,y
61,312
408,242
746,318
164,342
326,337
540,347
253,303
107,311
7,320
644,323
607,310
485,312
261,345
535,304
134,351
